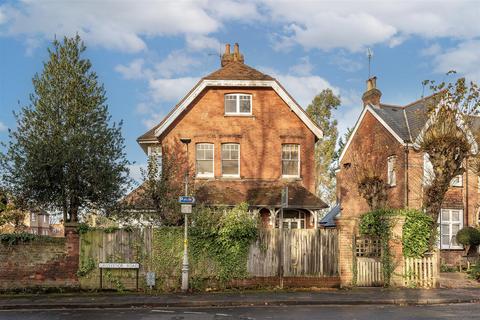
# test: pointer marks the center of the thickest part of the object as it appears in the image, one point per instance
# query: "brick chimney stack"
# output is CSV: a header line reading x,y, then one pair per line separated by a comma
x,y
372,95
228,57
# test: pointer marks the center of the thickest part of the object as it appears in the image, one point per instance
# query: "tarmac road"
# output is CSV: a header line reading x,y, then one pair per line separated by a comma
x,y
371,312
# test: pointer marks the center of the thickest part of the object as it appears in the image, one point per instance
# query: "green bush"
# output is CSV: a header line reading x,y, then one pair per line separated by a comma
x,y
474,272
416,233
15,238
469,236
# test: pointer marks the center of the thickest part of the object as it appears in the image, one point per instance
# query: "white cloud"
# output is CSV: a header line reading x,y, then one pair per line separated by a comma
x,y
177,62
345,63
170,89
303,68
355,25
133,71
199,42
3,127
464,59
119,25
431,50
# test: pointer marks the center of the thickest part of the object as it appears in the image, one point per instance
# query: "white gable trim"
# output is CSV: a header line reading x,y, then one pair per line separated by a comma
x,y
357,125
240,83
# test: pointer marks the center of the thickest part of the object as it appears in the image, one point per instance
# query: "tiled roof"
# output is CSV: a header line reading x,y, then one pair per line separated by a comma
x,y
329,220
230,193
236,70
406,121
256,193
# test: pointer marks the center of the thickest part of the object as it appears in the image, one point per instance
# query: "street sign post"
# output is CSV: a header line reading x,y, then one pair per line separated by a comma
x,y
186,208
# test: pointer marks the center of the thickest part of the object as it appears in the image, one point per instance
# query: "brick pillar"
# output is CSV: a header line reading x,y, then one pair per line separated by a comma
x,y
347,228
72,249
396,250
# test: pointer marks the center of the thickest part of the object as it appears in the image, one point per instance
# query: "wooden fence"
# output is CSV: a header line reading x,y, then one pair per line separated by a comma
x,y
369,272
421,272
305,252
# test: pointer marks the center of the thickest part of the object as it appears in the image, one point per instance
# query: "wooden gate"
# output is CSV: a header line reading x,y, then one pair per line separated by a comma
x,y
305,252
369,269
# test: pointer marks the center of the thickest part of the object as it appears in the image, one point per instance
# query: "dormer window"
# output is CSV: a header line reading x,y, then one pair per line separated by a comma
x,y
238,104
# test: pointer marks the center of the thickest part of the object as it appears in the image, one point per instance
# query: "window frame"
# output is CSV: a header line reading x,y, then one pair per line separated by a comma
x,y
237,104
450,223
288,176
391,166
238,160
454,183
201,175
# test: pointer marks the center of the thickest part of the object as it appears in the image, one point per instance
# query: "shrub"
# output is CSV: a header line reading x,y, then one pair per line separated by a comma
x,y
416,233
15,238
469,236
474,272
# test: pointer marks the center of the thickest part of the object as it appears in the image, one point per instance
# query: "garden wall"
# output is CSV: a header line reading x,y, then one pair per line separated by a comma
x,y
43,262
161,251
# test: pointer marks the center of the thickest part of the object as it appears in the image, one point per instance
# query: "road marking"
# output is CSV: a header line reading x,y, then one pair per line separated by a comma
x,y
164,311
194,312
222,315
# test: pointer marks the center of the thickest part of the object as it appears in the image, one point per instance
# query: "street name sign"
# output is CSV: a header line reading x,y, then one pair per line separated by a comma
x,y
108,265
186,200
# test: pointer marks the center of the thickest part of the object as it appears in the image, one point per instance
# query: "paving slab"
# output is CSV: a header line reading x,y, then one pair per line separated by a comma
x,y
358,296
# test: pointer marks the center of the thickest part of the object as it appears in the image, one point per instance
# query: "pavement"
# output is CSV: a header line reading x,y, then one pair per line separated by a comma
x,y
357,296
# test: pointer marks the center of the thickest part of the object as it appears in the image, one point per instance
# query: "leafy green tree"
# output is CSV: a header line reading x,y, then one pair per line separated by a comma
x,y
156,200
66,154
320,110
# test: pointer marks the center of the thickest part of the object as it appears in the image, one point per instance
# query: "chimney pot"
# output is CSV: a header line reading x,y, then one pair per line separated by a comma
x,y
227,48
236,49
372,95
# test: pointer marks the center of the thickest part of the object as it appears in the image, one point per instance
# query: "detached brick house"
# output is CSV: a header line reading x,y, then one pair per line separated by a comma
x,y
383,139
249,138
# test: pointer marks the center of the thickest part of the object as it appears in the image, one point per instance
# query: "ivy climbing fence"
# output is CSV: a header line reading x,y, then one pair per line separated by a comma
x,y
304,253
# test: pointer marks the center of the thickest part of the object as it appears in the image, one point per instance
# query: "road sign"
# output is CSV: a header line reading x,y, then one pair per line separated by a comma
x,y
186,208
186,200
150,279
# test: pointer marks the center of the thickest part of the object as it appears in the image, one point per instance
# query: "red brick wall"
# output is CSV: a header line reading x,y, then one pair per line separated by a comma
x,y
369,149
260,136
41,263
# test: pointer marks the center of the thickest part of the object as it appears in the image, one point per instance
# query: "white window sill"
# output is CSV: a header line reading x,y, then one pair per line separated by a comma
x,y
239,115
452,248
230,176
199,176
291,177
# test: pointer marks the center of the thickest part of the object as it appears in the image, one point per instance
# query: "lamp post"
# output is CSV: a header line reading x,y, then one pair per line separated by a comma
x,y
185,266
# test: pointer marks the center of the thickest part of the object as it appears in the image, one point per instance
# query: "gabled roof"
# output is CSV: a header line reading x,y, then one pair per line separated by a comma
x,y
405,123
236,70
233,74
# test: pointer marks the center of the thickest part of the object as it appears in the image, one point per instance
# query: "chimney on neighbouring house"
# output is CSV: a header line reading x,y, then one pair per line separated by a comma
x,y
372,95
228,57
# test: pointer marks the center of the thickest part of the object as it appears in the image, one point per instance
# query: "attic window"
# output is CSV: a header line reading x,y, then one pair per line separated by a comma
x,y
238,104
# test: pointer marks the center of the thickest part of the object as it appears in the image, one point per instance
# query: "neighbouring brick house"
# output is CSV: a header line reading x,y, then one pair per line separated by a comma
x,y
249,138
383,140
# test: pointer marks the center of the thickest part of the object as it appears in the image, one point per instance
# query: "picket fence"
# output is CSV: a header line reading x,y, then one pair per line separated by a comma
x,y
421,272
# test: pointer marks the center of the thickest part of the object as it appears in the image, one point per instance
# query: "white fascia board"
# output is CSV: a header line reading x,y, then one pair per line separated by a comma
x,y
357,125
241,83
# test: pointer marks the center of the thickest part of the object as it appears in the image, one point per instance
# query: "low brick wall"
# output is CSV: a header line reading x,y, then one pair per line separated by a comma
x,y
289,282
42,263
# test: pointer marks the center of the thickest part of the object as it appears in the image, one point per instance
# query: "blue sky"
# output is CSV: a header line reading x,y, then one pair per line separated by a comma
x,y
149,54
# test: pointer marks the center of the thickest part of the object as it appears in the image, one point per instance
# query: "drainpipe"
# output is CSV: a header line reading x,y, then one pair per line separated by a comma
x,y
466,191
406,188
